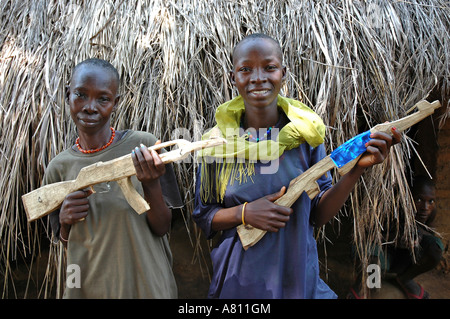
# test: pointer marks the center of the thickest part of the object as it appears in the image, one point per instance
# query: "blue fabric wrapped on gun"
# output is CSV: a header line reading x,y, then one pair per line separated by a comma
x,y
350,149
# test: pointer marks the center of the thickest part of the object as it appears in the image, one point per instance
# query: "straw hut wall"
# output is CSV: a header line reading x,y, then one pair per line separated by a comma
x,y
356,63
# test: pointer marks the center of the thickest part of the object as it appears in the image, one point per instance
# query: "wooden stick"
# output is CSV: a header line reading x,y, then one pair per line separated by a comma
x,y
46,199
306,182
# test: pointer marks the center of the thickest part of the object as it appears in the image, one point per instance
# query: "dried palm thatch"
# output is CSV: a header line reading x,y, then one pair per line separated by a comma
x,y
356,63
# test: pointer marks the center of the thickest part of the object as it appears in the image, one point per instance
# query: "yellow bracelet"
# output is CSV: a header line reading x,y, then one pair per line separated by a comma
x,y
242,213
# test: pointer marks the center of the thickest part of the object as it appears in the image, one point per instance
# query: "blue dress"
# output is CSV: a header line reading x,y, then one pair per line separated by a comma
x,y
281,265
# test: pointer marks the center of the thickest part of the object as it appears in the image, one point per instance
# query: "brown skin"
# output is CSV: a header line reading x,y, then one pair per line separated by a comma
x,y
425,201
92,97
258,74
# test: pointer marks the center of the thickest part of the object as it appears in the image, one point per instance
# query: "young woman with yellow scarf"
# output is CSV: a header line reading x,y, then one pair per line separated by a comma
x,y
271,140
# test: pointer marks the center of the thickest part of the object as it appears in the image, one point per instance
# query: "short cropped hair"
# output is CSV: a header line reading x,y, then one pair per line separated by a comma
x,y
420,182
100,63
254,36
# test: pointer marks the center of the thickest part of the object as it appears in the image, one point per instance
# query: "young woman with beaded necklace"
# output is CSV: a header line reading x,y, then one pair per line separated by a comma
x,y
120,254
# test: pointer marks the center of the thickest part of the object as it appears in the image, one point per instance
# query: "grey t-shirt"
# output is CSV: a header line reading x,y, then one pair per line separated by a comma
x,y
117,254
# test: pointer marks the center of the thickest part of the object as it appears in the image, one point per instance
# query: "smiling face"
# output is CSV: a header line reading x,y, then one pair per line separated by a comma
x,y
258,72
92,96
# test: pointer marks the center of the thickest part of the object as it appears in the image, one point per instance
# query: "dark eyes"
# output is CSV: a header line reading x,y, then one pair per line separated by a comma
x,y
420,200
102,99
267,68
79,95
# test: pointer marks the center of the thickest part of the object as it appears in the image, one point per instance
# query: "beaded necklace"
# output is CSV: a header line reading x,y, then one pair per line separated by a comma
x,y
249,136
77,142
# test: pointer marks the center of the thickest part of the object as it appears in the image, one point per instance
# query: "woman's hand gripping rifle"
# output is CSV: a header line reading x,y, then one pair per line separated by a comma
x,y
48,198
343,158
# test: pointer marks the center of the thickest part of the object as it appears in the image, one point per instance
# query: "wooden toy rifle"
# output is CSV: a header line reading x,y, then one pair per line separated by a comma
x,y
344,158
48,198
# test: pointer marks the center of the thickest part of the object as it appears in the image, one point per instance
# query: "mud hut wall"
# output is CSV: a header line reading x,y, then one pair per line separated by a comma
x,y
432,136
442,222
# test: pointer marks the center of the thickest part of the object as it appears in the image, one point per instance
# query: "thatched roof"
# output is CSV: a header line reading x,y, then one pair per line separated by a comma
x,y
356,63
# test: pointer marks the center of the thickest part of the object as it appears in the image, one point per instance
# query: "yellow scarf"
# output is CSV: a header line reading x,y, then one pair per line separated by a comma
x,y
304,126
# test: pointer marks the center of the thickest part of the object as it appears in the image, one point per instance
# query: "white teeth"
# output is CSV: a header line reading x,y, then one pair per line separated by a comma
x,y
260,92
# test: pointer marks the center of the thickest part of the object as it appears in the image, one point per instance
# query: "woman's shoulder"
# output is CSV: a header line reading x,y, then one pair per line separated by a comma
x,y
135,138
58,165
306,149
61,158
141,136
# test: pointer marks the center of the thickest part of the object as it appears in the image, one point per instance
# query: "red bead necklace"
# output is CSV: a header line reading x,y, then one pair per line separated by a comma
x,y
77,142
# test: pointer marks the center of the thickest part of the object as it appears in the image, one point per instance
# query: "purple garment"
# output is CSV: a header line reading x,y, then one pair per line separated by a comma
x,y
281,265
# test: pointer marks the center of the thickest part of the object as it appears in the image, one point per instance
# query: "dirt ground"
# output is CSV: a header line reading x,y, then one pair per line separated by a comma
x,y
337,270
340,278
192,270
193,282
192,273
